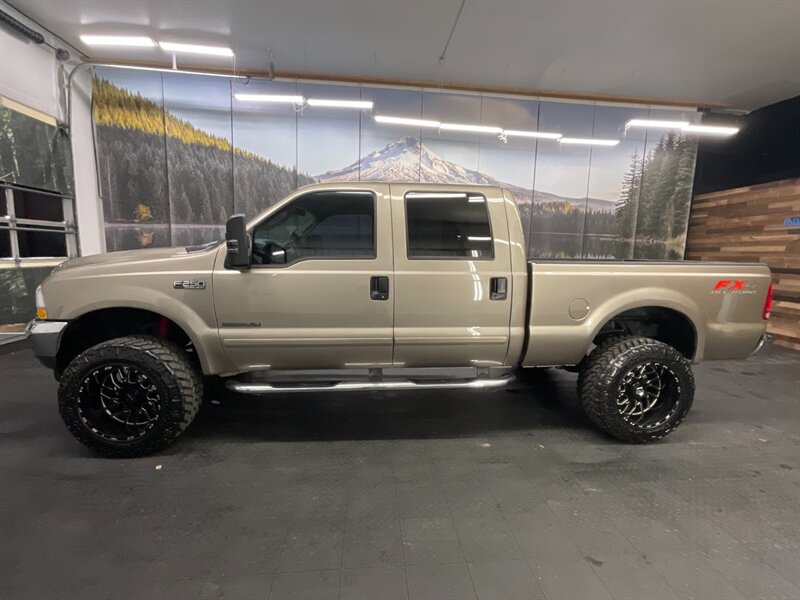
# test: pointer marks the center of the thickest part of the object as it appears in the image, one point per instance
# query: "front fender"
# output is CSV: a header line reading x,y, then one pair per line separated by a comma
x,y
147,285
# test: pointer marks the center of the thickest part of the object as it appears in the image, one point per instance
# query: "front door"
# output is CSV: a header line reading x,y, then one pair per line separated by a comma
x,y
314,296
452,285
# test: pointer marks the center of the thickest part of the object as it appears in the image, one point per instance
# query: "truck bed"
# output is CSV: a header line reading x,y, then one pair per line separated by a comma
x,y
571,301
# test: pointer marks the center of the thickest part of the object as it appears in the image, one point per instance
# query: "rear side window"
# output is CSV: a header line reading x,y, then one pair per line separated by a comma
x,y
448,225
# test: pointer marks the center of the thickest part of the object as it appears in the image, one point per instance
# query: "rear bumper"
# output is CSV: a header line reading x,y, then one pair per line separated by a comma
x,y
45,338
764,340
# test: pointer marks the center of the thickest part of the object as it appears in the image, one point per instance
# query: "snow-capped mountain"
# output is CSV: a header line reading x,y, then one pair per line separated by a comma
x,y
409,160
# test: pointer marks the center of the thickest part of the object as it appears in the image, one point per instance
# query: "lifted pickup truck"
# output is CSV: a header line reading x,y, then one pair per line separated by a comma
x,y
375,281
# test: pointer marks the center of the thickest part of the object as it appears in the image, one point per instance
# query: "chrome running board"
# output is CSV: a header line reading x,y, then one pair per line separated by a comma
x,y
368,386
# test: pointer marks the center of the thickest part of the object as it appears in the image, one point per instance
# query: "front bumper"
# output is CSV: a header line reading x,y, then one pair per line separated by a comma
x,y
45,337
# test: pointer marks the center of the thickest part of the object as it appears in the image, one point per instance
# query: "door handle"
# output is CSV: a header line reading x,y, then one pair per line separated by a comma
x,y
498,288
379,287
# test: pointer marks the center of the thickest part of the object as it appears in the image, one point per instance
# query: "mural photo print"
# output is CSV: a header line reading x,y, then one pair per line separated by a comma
x,y
178,153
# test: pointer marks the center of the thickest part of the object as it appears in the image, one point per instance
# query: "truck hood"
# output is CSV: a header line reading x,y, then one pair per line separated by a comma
x,y
126,256
134,257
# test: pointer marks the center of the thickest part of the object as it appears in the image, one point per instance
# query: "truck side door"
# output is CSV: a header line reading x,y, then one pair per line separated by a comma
x,y
319,294
452,302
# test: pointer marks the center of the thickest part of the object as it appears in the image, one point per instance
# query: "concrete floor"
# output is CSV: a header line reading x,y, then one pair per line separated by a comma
x,y
504,494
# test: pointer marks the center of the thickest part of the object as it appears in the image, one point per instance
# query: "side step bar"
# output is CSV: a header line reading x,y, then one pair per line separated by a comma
x,y
359,386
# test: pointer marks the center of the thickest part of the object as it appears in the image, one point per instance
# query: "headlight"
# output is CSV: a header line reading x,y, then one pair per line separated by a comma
x,y
41,310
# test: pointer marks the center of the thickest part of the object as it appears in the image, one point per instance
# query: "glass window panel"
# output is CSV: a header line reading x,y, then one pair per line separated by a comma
x,y
18,289
265,141
600,246
391,152
448,227
43,207
128,114
125,237
5,243
448,156
562,175
197,111
318,225
665,192
328,138
556,245
34,244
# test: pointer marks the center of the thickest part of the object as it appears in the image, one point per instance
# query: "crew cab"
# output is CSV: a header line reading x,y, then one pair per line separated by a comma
x,y
369,281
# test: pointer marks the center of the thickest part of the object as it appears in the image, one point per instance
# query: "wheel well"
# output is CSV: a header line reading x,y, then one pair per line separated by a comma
x,y
656,322
98,326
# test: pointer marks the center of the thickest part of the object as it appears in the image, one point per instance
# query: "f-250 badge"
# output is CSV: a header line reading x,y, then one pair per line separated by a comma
x,y
735,286
194,284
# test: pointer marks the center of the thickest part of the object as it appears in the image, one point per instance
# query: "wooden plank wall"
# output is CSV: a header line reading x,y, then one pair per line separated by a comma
x,y
747,224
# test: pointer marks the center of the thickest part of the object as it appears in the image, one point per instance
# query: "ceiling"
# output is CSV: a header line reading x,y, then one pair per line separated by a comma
x,y
741,53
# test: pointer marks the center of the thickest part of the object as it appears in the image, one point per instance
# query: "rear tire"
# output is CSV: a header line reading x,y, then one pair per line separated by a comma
x,y
129,396
636,389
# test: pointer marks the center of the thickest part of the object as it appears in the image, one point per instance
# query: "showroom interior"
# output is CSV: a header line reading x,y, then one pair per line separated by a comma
x,y
624,148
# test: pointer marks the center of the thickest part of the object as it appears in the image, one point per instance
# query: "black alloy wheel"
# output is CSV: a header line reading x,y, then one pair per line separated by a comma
x,y
130,396
636,389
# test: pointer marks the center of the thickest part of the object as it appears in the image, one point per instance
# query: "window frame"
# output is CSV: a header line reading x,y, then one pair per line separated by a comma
x,y
14,225
485,203
373,256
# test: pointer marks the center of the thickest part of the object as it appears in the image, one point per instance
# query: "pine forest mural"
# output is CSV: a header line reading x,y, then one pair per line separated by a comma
x,y
177,154
34,153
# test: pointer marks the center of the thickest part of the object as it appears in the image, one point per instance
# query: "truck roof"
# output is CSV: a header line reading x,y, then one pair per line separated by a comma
x,y
349,185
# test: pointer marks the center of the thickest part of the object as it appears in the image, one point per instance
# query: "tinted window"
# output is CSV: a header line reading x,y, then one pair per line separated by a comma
x,y
44,207
448,226
42,244
318,225
5,243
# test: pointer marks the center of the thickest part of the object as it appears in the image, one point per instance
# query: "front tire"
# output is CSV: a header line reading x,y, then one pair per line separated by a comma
x,y
636,389
129,396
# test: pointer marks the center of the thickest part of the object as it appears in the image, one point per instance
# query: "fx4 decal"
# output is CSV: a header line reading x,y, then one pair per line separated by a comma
x,y
735,286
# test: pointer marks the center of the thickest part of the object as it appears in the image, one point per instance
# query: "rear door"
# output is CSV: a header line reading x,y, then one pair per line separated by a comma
x,y
452,301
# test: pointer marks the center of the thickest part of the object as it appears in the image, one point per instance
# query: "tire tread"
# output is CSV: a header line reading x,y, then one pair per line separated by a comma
x,y
595,378
188,384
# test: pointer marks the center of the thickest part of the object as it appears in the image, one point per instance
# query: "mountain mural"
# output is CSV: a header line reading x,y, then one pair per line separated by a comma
x,y
169,172
407,159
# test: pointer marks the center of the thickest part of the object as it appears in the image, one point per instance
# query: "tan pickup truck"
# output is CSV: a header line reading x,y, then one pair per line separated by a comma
x,y
367,284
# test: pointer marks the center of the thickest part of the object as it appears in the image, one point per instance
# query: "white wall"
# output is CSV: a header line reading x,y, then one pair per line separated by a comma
x,y
31,75
89,207
28,72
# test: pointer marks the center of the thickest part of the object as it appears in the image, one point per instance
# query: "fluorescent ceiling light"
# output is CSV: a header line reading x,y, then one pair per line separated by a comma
x,y
467,127
711,129
588,141
118,40
533,134
479,238
173,71
476,199
368,104
405,121
435,195
275,98
657,124
195,49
